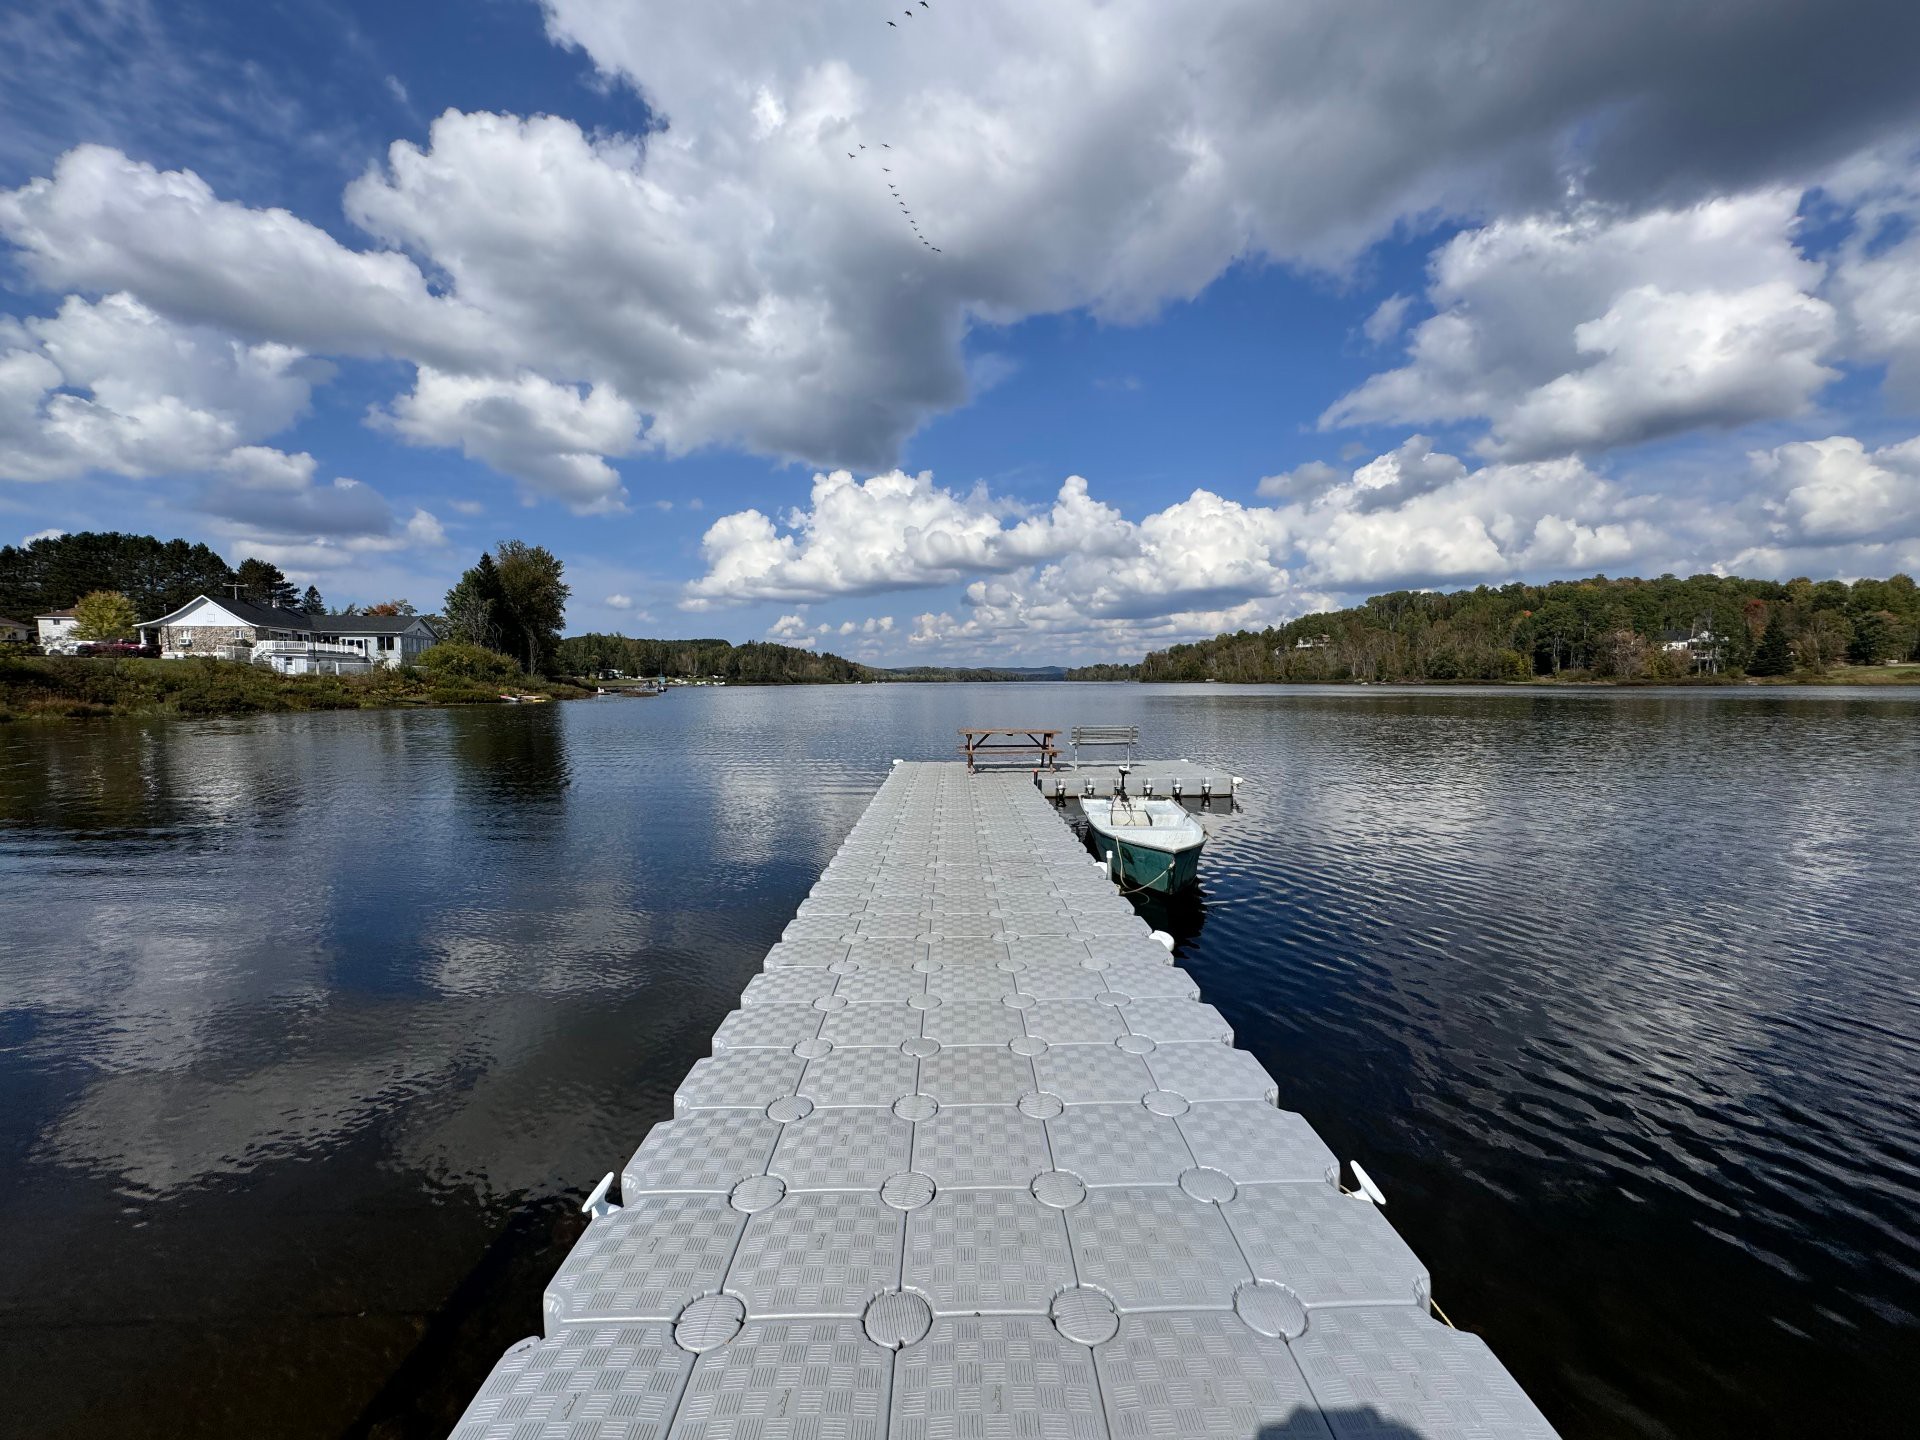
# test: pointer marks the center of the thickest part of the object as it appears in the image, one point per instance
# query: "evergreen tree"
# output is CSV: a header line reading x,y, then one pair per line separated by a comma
x,y
473,607
264,584
311,603
1775,653
157,576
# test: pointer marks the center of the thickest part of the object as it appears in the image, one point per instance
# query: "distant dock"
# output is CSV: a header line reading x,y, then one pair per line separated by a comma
x,y
972,1159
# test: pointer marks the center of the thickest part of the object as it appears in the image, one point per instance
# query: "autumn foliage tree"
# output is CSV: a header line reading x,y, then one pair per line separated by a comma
x,y
104,615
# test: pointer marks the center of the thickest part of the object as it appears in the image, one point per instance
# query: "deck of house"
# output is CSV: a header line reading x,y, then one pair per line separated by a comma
x,y
973,1159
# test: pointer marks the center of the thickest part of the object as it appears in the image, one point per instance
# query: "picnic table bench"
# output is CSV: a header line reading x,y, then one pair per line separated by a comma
x,y
1010,743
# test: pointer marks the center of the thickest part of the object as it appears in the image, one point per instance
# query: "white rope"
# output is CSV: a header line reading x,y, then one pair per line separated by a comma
x,y
1146,884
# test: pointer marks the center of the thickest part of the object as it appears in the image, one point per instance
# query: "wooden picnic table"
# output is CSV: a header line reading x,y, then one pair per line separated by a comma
x,y
1005,742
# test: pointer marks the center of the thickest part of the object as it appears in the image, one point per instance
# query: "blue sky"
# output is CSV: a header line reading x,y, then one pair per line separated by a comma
x,y
1235,314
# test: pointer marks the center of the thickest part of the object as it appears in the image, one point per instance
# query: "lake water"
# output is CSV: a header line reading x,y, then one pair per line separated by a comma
x,y
313,1028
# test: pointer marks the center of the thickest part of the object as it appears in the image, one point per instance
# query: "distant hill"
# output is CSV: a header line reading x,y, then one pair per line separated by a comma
x,y
1619,629
762,663
756,663
961,672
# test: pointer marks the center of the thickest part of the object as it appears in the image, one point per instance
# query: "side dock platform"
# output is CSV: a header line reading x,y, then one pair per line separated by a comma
x,y
973,1159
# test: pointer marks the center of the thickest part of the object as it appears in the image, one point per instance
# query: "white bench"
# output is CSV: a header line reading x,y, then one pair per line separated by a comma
x,y
1095,736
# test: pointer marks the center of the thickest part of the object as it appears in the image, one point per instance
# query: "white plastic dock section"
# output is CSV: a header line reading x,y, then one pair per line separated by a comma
x,y
972,1159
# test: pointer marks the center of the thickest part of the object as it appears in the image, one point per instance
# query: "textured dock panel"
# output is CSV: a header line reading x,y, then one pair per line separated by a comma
x,y
818,1253
1150,980
1156,1248
704,1150
788,987
1206,1071
767,1027
1074,1022
608,1380
1061,980
1118,1144
973,1022
789,1380
1091,1074
1254,1143
976,1075
972,1161
751,1078
646,1262
806,954
869,1076
1165,1021
981,1145
982,1251
879,1025
843,1148
1328,1248
1197,1375
996,1377
1395,1371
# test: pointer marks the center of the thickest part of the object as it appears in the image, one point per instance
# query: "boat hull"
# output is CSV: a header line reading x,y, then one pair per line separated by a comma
x,y
1141,868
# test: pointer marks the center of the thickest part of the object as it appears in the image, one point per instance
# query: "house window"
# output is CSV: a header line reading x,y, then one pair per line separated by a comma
x,y
386,642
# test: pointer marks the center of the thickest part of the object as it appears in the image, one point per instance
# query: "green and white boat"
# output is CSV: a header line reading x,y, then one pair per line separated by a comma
x,y
1146,844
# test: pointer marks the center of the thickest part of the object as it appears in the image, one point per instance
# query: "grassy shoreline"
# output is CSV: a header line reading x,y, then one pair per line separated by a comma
x,y
54,688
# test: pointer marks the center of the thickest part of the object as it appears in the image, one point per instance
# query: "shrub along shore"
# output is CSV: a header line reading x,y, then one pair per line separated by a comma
x,y
59,688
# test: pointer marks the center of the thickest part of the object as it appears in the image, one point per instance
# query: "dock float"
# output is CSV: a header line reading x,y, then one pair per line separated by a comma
x,y
973,1159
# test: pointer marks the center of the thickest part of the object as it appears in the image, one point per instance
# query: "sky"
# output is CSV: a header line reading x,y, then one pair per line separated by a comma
x,y
1004,331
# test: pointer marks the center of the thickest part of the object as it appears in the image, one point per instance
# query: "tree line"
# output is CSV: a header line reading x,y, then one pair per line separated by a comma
x,y
153,577
156,576
757,662
1598,628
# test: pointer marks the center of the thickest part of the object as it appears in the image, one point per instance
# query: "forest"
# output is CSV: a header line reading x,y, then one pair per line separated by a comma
x,y
1704,626
156,576
755,663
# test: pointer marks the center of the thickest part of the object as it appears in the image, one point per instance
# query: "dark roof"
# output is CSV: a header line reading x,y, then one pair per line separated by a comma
x,y
275,617
9,620
268,617
363,624
54,615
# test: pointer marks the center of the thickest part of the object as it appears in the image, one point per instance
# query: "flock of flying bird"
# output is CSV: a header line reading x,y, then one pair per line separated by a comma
x,y
887,170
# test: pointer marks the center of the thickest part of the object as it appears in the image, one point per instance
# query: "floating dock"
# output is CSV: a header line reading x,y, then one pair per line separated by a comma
x,y
972,1159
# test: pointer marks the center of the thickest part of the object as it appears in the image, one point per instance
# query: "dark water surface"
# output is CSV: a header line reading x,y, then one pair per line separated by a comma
x,y
313,1028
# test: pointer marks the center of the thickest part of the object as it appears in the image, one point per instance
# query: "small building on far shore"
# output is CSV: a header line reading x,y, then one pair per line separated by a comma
x,y
291,641
15,632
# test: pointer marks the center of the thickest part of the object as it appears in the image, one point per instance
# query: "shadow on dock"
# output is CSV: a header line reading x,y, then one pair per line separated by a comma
x,y
1365,1423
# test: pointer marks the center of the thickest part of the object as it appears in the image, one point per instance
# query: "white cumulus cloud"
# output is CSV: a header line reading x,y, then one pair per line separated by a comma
x,y
890,532
551,436
743,276
111,385
1583,332
1836,490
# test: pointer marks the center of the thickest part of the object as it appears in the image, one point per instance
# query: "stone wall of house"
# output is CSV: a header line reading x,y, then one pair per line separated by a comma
x,y
203,639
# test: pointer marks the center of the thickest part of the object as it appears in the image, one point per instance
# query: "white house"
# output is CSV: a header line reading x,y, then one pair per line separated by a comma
x,y
56,630
291,641
1700,645
15,632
